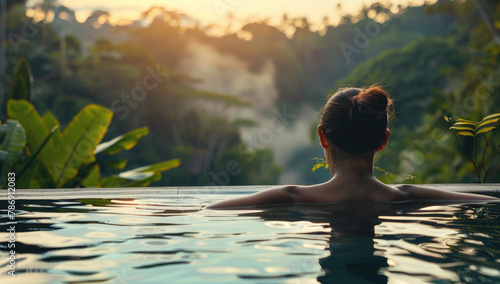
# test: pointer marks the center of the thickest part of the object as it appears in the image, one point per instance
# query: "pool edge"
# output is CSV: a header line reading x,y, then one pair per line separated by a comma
x,y
165,192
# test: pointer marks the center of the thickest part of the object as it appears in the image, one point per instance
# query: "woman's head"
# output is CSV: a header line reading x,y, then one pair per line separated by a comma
x,y
355,120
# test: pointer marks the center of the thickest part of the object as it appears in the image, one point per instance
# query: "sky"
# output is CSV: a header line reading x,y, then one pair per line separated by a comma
x,y
215,11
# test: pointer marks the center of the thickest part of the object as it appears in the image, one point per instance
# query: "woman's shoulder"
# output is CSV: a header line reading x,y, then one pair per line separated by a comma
x,y
274,196
413,192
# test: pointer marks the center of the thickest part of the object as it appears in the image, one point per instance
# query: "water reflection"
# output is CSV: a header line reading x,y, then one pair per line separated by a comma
x,y
349,241
372,243
159,241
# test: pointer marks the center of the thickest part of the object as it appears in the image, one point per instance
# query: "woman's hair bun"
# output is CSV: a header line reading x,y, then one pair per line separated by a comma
x,y
373,101
355,120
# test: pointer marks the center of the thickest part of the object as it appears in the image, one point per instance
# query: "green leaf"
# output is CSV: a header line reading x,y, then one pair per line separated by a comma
x,y
13,143
159,167
317,166
465,120
410,177
25,180
320,163
116,164
463,128
51,122
36,132
35,184
124,142
495,115
480,127
23,80
465,123
485,129
79,141
35,155
19,89
135,175
92,179
113,181
486,122
390,177
387,177
139,177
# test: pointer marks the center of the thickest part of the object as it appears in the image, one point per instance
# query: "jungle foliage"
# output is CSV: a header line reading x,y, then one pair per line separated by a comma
x,y
436,60
43,156
468,128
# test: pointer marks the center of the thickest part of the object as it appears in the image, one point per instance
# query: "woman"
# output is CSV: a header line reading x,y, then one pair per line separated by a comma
x,y
353,127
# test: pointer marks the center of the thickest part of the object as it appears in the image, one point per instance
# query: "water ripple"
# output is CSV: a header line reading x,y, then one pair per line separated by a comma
x,y
167,241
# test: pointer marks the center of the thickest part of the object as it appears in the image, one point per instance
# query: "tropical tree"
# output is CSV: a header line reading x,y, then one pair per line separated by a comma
x,y
43,155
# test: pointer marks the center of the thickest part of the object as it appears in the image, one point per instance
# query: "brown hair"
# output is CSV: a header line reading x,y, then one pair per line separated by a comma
x,y
355,120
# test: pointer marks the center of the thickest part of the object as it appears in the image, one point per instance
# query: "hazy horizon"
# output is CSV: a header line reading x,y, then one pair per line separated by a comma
x,y
216,11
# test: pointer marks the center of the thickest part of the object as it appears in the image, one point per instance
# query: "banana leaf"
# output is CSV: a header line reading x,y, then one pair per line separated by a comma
x,y
26,180
79,140
51,122
158,167
124,142
116,164
139,177
33,157
36,132
92,179
13,143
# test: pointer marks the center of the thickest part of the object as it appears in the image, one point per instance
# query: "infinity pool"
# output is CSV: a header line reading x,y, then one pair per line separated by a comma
x,y
172,240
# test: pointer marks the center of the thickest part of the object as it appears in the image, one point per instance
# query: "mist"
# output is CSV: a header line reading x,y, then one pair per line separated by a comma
x,y
230,75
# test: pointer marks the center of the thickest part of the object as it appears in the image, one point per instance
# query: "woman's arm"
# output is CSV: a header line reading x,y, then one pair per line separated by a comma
x,y
279,195
417,192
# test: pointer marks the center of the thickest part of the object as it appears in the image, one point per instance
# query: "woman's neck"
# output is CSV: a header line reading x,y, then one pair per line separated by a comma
x,y
354,169
353,180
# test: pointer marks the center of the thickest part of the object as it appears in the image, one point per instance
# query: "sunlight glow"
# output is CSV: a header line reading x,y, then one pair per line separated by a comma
x,y
223,12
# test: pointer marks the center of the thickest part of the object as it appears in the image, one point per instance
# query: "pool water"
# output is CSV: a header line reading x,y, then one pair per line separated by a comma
x,y
175,241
